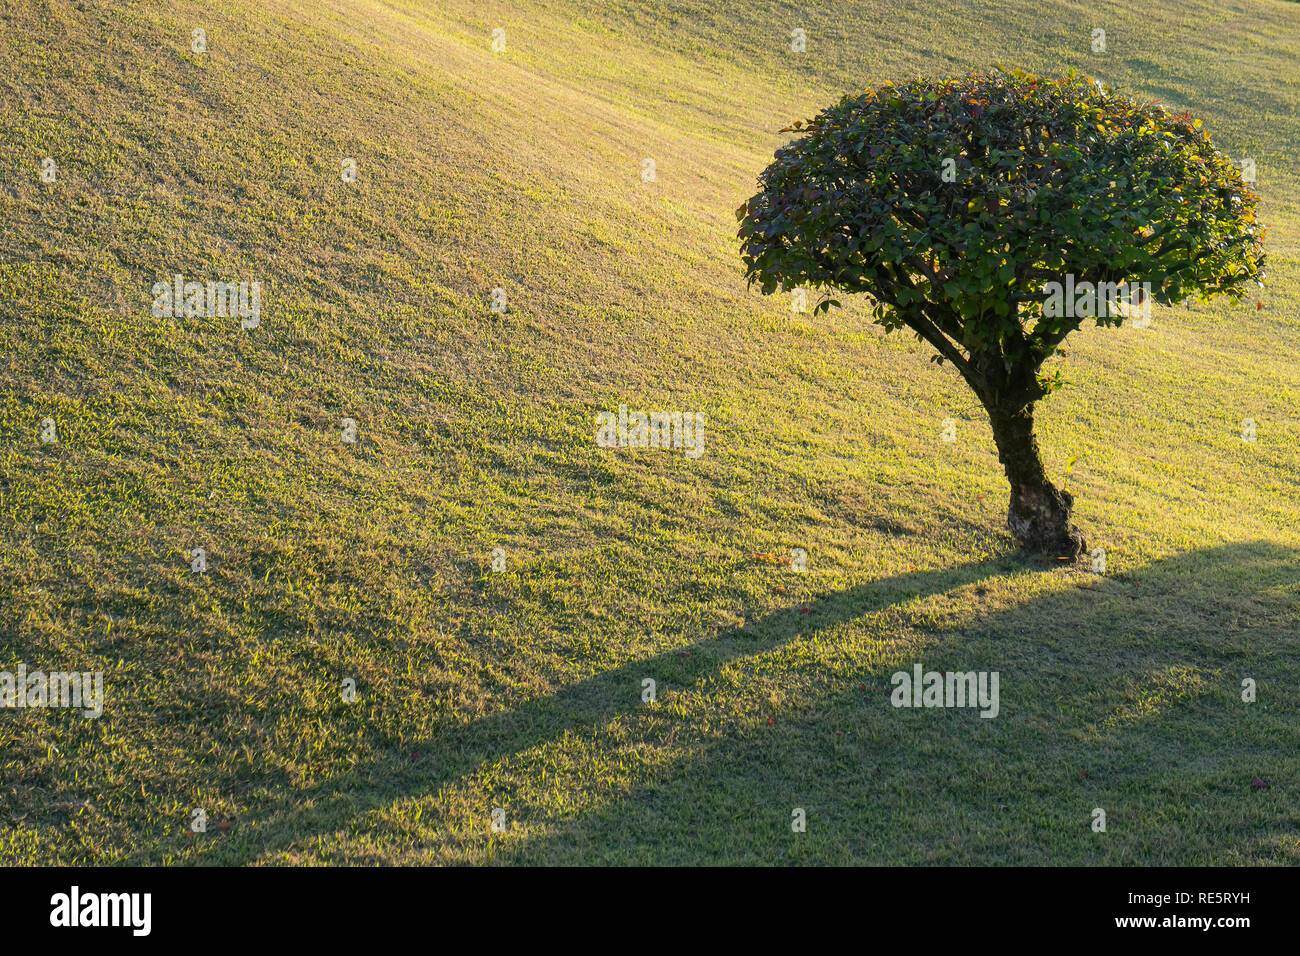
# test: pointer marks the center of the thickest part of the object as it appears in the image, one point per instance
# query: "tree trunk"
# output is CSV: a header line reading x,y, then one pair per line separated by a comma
x,y
1038,514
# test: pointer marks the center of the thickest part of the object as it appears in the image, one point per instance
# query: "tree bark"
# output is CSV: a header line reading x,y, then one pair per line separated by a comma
x,y
1038,513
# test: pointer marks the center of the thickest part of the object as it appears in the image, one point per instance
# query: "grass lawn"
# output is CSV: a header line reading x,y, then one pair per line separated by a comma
x,y
521,690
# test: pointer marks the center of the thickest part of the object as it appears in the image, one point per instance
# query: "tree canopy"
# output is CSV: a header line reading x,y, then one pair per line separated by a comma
x,y
952,202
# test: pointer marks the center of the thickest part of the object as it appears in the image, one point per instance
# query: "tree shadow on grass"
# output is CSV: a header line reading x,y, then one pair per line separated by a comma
x,y
1116,679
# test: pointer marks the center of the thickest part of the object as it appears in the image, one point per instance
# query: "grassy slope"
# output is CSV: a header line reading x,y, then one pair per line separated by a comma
x,y
522,690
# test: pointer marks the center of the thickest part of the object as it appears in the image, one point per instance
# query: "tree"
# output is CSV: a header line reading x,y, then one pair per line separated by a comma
x,y
992,215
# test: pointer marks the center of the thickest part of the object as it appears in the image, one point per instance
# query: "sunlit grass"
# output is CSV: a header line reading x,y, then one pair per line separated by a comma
x,y
522,690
